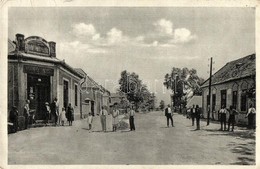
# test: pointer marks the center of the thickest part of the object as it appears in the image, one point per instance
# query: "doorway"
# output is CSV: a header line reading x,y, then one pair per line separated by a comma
x,y
38,92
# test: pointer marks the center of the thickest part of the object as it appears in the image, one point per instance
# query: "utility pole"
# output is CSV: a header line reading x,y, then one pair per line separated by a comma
x,y
210,74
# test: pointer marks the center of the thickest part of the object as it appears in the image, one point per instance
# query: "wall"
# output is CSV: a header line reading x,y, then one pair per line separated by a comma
x,y
72,81
230,87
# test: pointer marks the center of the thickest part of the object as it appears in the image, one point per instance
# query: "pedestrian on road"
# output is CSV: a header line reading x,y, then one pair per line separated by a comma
x,y
193,114
70,114
63,116
103,114
232,119
223,112
90,120
13,117
131,118
168,114
55,110
26,113
115,114
198,114
251,117
47,111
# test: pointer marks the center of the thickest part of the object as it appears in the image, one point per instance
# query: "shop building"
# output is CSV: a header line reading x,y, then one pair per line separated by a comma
x,y
36,74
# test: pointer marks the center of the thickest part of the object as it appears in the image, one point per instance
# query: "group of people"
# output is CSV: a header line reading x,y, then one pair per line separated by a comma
x,y
115,118
232,112
52,112
194,113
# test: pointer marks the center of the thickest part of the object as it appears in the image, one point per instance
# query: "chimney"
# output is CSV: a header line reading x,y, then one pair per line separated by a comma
x,y
20,44
52,49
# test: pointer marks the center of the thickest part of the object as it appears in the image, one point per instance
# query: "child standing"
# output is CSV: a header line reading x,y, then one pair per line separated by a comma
x,y
90,119
63,116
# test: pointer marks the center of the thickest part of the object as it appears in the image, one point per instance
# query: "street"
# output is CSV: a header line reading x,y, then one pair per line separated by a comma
x,y
151,143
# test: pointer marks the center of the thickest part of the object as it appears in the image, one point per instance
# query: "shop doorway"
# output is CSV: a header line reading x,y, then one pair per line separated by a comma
x,y
38,90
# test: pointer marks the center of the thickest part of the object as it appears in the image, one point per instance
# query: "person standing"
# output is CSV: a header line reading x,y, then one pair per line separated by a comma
x,y
70,114
55,110
47,113
103,114
131,118
197,114
168,114
63,116
223,112
115,114
13,117
90,120
251,117
231,118
193,114
26,113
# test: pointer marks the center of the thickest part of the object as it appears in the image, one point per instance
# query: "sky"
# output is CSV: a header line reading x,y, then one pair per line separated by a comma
x,y
149,41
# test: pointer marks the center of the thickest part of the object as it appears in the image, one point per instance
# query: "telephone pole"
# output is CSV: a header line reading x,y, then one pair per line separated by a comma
x,y
210,74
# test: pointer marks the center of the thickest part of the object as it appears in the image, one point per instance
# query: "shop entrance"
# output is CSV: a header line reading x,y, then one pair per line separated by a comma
x,y
38,89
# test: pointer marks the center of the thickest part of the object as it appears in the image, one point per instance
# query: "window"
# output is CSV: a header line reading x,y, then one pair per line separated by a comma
x,y
243,100
234,99
223,98
208,101
213,102
76,95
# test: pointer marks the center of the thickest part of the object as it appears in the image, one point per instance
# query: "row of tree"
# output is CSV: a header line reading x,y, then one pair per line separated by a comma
x,y
136,92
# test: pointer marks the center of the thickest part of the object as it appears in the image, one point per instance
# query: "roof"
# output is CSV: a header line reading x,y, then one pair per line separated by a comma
x,y
90,82
236,69
195,100
27,56
119,95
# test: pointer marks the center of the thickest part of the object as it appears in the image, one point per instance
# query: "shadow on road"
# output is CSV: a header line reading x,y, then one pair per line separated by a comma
x,y
246,150
245,134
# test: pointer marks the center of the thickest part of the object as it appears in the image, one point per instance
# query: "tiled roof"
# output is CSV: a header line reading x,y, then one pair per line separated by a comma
x,y
233,70
90,82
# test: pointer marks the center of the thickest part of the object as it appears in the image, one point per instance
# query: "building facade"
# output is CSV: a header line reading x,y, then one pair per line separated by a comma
x,y
36,74
234,84
93,95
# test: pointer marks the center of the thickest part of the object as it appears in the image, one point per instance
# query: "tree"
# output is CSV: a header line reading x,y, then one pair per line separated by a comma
x,y
184,83
162,105
135,90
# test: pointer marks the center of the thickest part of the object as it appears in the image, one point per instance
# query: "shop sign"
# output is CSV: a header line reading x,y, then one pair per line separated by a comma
x,y
38,70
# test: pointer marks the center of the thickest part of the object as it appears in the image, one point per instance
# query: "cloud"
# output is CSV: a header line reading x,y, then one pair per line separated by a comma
x,y
164,35
164,26
155,43
115,36
183,35
167,36
85,30
80,48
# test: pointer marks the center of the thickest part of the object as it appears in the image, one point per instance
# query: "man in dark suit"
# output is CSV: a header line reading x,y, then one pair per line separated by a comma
x,y
168,114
